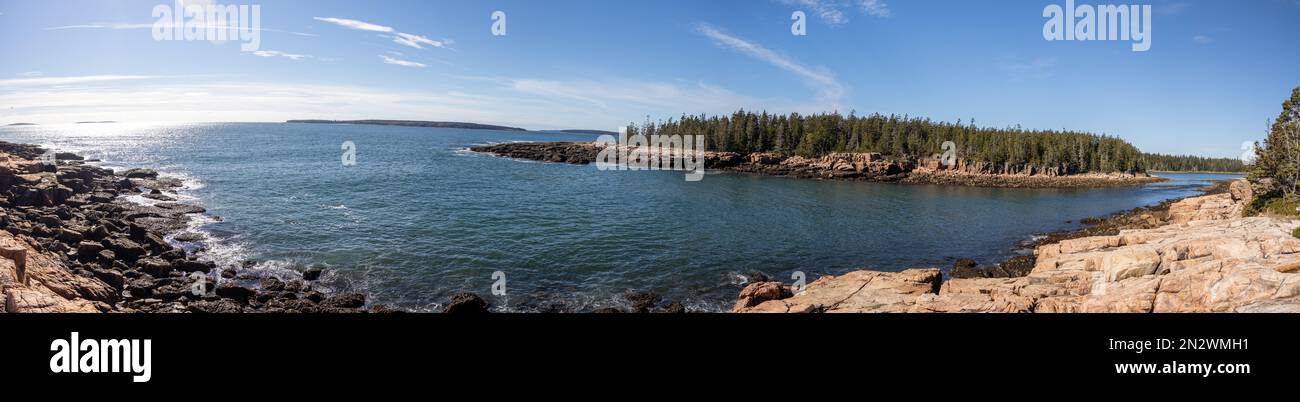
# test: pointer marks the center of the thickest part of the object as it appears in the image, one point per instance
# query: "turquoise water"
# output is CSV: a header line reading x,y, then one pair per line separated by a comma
x,y
419,217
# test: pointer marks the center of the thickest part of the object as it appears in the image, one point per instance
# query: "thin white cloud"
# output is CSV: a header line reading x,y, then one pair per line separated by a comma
x,y
354,24
54,81
828,11
415,41
277,53
401,38
1201,40
833,13
400,62
829,89
875,8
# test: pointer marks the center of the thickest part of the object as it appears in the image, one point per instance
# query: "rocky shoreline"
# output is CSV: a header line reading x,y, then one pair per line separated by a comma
x,y
1198,255
848,166
1145,217
72,242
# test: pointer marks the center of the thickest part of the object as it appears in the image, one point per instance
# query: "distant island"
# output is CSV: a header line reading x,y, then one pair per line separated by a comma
x,y
597,132
413,123
22,124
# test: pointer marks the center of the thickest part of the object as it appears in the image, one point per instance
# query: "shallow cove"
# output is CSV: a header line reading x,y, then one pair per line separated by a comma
x,y
419,218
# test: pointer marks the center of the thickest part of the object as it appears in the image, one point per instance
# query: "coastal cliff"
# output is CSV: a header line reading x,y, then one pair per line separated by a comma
x,y
848,166
1205,257
71,241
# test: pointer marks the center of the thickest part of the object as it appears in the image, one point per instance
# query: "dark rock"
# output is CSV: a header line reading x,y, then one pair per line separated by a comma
x,y
194,266
272,284
219,306
675,308
385,309
141,287
110,277
88,249
312,273
154,267
124,248
642,302
107,257
607,310
349,300
101,197
50,221
965,268
228,273
466,302
172,255
140,174
69,236
235,292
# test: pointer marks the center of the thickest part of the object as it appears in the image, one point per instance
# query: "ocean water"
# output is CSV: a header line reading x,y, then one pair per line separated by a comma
x,y
419,217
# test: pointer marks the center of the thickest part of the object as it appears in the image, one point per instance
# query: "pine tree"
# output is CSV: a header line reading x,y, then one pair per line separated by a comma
x,y
1276,171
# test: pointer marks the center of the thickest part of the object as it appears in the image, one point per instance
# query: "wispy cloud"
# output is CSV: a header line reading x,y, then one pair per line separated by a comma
x,y
875,8
1201,40
828,88
57,81
277,53
354,24
833,13
415,41
401,38
400,62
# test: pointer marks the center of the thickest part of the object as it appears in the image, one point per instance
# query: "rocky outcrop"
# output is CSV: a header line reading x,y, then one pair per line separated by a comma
x,y
857,291
81,247
1208,263
847,166
1215,207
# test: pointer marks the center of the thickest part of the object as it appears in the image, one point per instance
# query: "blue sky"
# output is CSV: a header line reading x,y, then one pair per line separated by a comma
x,y
1214,76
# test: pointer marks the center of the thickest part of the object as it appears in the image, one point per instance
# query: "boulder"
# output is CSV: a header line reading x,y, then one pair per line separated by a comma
x,y
312,273
235,292
1130,262
345,301
759,292
124,248
140,174
154,267
466,302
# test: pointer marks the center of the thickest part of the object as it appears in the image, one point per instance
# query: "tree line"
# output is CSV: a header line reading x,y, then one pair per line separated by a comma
x,y
903,137
1189,163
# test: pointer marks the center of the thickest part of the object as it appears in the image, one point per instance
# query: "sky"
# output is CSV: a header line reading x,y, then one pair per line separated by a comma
x,y
1215,75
